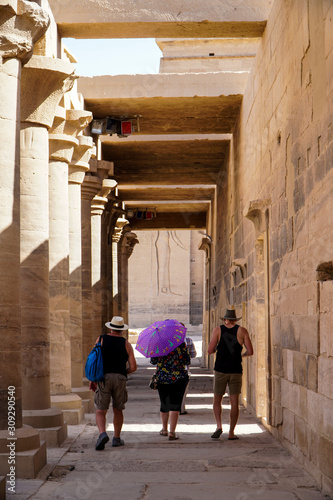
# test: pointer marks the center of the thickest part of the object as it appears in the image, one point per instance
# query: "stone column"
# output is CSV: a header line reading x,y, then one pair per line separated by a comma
x,y
44,82
97,207
61,150
116,236
22,24
78,167
127,245
90,187
66,125
205,245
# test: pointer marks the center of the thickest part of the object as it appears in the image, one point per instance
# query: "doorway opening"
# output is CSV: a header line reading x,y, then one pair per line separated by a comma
x,y
166,281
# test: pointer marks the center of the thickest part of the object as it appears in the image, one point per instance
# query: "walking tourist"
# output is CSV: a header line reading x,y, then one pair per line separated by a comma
x,y
172,379
228,341
192,352
118,362
164,343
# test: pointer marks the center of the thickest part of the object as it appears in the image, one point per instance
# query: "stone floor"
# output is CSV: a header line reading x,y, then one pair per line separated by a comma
x,y
149,466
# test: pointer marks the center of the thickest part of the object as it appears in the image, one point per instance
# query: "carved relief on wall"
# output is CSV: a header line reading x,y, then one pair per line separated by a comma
x,y
163,260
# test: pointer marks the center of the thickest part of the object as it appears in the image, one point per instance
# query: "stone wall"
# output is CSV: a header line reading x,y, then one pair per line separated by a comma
x,y
165,278
278,201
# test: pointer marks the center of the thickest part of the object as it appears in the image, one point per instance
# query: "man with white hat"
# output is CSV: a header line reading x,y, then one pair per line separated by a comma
x,y
118,362
228,341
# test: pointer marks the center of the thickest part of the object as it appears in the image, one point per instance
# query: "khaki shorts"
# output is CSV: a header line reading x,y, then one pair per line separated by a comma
x,y
114,386
233,380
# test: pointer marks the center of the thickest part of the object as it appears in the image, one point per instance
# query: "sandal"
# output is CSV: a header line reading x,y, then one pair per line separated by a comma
x,y
163,433
216,434
173,436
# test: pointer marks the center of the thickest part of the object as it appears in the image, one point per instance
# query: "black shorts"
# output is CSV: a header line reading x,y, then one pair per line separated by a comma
x,y
171,395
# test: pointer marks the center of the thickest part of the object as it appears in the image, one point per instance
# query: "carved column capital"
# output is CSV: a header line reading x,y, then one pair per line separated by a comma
x,y
61,147
129,241
43,82
23,23
80,160
118,229
98,203
90,187
70,121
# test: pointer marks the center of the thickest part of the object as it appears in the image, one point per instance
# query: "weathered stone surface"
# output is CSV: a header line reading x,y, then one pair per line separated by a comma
x,y
23,23
160,20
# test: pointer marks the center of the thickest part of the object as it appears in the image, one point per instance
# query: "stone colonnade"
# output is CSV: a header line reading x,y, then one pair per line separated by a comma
x,y
57,214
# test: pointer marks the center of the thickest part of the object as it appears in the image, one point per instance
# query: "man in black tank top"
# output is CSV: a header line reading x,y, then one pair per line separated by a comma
x,y
228,341
118,362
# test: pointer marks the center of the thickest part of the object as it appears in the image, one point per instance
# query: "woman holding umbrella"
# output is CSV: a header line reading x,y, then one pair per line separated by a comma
x,y
164,343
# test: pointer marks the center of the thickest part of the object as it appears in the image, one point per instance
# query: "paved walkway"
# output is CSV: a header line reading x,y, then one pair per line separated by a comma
x,y
150,467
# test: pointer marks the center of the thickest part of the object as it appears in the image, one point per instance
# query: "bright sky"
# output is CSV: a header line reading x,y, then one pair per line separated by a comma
x,y
115,57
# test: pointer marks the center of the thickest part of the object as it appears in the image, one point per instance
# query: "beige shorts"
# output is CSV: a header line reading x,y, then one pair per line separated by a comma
x,y
114,386
233,380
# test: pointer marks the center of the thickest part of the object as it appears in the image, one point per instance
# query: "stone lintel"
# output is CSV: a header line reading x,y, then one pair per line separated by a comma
x,y
69,12
44,81
226,83
200,47
171,221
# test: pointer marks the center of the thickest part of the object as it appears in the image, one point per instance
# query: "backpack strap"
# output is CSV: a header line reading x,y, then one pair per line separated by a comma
x,y
100,339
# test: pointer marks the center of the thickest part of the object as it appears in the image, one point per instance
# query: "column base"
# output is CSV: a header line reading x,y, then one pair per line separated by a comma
x,y
86,396
27,451
49,423
3,487
71,406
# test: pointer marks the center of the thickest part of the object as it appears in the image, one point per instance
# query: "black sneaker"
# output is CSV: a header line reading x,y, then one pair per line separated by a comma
x,y
117,442
101,441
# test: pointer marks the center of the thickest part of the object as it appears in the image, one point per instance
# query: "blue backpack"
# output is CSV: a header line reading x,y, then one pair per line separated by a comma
x,y
94,365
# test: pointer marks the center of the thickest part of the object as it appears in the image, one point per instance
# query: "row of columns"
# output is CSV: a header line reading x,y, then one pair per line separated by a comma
x,y
55,279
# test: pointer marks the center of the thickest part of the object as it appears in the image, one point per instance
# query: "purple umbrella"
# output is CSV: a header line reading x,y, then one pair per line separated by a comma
x,y
160,338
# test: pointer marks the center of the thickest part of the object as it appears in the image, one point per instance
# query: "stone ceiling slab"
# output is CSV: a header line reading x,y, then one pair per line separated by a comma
x,y
166,162
168,103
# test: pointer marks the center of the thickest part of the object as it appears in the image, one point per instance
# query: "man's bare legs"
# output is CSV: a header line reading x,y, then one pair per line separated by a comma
x,y
118,420
217,410
234,412
101,420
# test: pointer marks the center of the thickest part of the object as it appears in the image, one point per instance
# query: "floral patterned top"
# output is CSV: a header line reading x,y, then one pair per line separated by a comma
x,y
172,367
